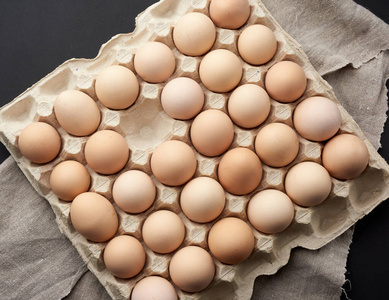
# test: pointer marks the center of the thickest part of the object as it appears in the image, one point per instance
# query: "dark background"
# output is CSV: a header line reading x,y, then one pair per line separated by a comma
x,y
37,36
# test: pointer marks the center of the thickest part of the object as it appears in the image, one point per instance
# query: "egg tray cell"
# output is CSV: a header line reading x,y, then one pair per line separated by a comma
x,y
145,125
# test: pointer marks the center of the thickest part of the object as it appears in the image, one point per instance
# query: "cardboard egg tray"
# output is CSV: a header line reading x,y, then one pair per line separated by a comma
x,y
145,126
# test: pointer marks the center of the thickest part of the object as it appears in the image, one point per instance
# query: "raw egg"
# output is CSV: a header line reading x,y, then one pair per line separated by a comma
x,y
77,113
240,171
117,87
39,142
173,163
154,288
345,156
212,132
231,240
230,14
192,269
69,179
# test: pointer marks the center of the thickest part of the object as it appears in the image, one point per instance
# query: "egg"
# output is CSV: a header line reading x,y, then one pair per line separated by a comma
x,y
182,98
39,142
163,231
212,132
192,269
249,105
202,199
270,211
240,171
154,62
134,191
345,156
106,152
257,44
94,217
231,240
69,179
124,256
77,112
117,87
220,71
308,184
153,288
277,144
173,163
317,118
285,81
229,14
194,34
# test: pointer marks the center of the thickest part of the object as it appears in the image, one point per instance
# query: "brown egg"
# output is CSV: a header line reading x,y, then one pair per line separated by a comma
x,y
124,256
77,113
270,211
257,44
163,231
230,14
285,81
220,71
69,179
317,118
154,62
249,105
117,87
39,142
345,156
182,98
173,163
231,240
192,269
106,152
202,199
154,287
308,183
240,171
134,191
194,34
212,132
277,145
94,217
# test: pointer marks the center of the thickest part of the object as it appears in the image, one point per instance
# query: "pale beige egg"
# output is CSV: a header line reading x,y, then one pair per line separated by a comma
x,y
192,269
285,81
124,256
163,231
308,184
345,156
39,142
277,144
117,87
212,132
94,217
249,105
69,179
230,14
173,163
257,44
194,34
270,211
231,240
154,287
77,112
134,191
106,152
220,70
154,62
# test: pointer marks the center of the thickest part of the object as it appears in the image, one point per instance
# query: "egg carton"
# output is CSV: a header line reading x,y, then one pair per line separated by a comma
x,y
145,125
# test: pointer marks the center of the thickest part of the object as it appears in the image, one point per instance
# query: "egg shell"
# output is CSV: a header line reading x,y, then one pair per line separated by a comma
x,y
229,14
154,287
77,112
39,142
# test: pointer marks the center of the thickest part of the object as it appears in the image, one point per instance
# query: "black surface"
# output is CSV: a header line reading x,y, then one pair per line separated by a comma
x,y
37,36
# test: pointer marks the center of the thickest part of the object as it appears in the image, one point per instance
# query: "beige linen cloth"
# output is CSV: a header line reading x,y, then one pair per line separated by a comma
x,y
345,43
